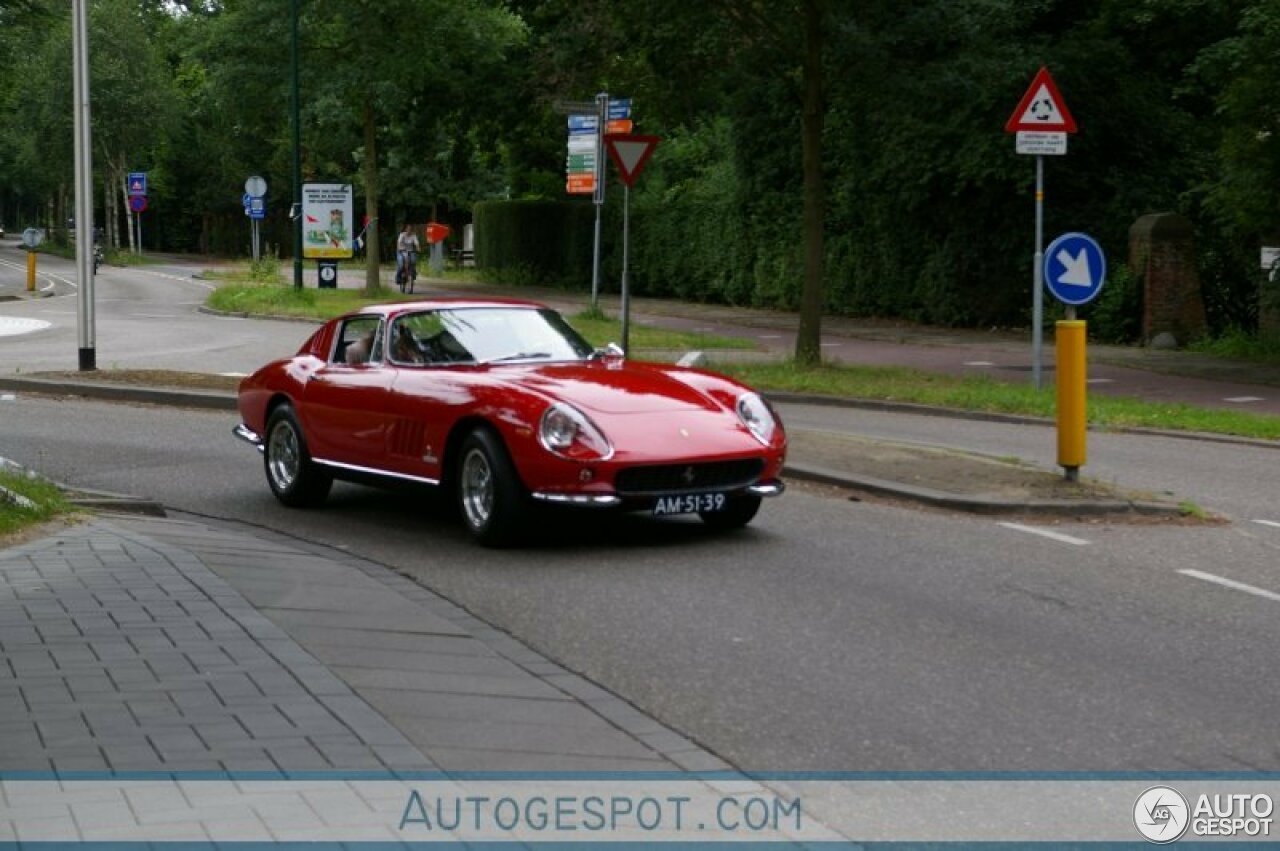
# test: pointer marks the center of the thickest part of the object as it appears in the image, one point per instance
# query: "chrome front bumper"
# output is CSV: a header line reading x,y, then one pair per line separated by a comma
x,y
773,488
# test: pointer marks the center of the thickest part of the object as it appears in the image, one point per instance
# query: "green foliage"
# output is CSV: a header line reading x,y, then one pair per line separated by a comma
x,y
25,501
928,209
1115,316
535,242
1242,345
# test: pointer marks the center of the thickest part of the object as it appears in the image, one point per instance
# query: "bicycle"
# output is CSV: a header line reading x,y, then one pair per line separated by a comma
x,y
408,271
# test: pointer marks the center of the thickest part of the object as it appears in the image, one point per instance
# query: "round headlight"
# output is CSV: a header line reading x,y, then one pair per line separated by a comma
x,y
567,432
757,417
558,428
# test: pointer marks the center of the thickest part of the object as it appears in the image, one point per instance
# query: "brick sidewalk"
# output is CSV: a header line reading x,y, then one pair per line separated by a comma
x,y
145,644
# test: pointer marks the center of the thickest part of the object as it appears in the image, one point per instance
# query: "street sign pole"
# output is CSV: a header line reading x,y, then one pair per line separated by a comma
x,y
602,115
1041,123
626,283
629,153
1037,281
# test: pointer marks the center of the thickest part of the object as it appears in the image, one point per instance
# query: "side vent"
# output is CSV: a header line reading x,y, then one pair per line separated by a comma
x,y
407,438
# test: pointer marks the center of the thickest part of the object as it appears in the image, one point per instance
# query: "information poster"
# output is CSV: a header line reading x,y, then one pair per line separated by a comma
x,y
327,213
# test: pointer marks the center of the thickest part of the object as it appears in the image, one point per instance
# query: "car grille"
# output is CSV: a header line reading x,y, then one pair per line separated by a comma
x,y
688,478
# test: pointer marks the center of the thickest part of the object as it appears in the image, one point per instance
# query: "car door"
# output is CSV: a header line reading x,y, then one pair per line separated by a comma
x,y
428,393
345,412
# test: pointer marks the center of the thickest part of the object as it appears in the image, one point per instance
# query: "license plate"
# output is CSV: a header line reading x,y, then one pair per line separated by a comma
x,y
689,503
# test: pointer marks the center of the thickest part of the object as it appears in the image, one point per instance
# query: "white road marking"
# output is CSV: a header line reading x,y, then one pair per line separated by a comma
x,y
1243,399
979,363
12,326
770,336
233,374
1231,583
1045,533
829,345
176,278
1099,380
1268,523
8,397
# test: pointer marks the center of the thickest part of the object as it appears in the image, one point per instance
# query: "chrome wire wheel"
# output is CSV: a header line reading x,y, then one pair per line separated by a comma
x,y
284,458
477,488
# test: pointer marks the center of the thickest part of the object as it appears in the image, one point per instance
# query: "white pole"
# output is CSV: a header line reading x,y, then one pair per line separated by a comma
x,y
84,185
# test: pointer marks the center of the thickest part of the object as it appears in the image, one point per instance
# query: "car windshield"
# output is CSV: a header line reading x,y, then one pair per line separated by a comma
x,y
485,335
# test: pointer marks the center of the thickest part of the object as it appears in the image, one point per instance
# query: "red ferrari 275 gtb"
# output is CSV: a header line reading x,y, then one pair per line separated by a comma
x,y
502,402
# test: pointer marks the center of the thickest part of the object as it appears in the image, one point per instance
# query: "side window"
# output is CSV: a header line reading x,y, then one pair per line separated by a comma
x,y
359,341
424,338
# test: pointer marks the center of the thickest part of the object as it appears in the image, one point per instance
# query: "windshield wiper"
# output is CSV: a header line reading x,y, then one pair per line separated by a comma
x,y
520,356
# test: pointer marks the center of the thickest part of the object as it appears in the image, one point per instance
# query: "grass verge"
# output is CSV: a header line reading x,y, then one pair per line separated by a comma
x,y
900,384
25,502
1238,345
311,303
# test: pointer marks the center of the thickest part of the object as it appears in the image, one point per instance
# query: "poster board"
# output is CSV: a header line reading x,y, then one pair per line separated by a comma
x,y
327,214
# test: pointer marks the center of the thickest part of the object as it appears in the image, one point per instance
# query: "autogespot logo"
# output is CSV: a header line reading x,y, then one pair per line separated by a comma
x,y
1161,814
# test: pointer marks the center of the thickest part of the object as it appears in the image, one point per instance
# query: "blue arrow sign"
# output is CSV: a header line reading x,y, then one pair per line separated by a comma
x,y
1074,268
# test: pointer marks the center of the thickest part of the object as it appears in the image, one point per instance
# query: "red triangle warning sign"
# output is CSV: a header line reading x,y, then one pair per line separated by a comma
x,y
1041,108
629,153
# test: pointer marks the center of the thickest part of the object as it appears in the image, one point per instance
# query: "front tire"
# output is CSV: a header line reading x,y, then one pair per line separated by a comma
x,y
490,497
295,479
738,513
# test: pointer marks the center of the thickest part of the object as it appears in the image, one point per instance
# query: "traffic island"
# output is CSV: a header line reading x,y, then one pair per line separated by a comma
x,y
963,481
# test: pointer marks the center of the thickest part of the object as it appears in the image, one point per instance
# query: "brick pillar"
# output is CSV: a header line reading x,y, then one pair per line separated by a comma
x,y
1162,254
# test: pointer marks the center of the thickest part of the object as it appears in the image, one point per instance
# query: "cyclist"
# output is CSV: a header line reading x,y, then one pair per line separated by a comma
x,y
406,258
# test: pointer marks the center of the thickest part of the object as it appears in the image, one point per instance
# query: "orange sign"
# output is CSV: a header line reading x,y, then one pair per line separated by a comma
x,y
581,184
436,233
619,125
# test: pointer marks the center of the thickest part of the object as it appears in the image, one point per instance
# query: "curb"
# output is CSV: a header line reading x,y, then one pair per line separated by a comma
x,y
207,399
980,504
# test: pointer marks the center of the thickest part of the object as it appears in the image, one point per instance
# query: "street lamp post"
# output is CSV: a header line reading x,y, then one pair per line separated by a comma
x,y
297,148
84,184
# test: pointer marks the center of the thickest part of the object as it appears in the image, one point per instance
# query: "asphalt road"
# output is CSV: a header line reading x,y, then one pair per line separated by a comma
x,y
831,634
145,318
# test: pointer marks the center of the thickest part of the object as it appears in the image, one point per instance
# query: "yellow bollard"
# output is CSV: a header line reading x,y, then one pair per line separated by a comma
x,y
31,271
1070,336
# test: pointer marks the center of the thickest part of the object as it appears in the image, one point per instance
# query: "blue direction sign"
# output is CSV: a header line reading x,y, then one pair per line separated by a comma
x,y
137,183
1074,268
583,124
619,108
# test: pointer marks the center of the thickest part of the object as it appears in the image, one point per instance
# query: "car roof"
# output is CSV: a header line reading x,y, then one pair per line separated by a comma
x,y
395,307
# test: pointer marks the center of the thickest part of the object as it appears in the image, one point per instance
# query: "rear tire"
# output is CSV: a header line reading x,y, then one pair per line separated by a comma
x,y
295,479
490,497
738,513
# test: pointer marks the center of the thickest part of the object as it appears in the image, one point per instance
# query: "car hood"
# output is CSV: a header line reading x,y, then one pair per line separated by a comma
x,y
612,388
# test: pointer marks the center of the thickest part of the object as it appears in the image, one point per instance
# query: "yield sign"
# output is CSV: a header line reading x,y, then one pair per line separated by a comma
x,y
629,153
1041,108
